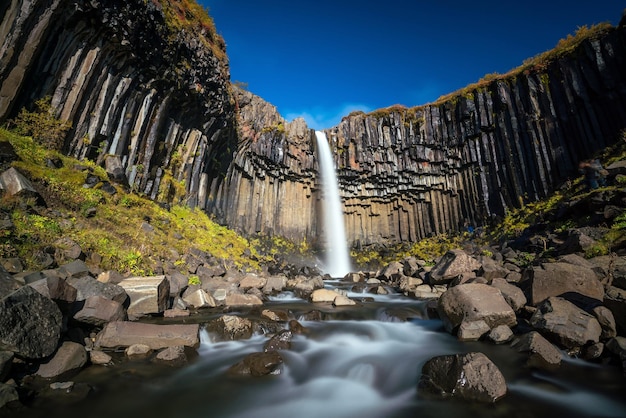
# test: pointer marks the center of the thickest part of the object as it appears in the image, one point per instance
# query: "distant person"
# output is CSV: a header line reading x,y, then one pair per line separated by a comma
x,y
595,174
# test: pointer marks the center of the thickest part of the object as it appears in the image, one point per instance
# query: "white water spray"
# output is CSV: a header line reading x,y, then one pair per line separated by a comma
x,y
337,259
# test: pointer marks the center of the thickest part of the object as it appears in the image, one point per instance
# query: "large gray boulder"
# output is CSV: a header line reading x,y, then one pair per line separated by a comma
x,y
470,377
541,353
453,263
87,286
513,295
148,295
99,310
13,183
573,282
70,356
30,324
565,323
473,302
124,334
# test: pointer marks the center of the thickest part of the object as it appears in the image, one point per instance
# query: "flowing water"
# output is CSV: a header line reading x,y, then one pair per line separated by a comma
x,y
360,361
337,262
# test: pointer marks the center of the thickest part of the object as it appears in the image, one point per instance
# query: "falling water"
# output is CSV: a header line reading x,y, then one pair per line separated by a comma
x,y
337,259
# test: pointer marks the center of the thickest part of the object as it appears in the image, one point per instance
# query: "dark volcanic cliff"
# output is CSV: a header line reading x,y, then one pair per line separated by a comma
x,y
160,99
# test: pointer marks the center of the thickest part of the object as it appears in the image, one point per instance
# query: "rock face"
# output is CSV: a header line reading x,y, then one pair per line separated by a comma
x,y
471,377
159,104
30,324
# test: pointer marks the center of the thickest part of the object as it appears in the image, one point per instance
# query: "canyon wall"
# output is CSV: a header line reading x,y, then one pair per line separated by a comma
x,y
158,100
406,174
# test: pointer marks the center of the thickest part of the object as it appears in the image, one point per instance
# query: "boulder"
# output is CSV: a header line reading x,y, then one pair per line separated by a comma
x,y
76,268
565,323
572,282
232,327
251,280
607,321
237,299
8,395
124,334
323,295
490,269
500,334
280,341
275,284
303,286
472,330
30,324
99,310
87,286
258,364
138,351
8,284
615,300
148,295
452,264
199,298
470,377
473,302
6,361
513,295
56,289
70,356
100,357
172,356
542,354
342,300
391,272
13,183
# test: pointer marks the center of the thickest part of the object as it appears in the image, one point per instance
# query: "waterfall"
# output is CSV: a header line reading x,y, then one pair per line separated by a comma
x,y
337,258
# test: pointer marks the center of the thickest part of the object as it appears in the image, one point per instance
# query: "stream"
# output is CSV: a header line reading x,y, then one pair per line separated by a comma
x,y
358,361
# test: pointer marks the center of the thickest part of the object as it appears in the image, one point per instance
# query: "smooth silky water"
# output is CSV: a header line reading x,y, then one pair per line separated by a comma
x,y
359,361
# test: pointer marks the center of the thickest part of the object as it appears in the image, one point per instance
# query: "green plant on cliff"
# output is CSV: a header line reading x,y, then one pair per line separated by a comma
x,y
129,233
42,124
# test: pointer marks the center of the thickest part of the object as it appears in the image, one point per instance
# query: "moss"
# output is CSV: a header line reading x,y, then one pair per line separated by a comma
x,y
115,233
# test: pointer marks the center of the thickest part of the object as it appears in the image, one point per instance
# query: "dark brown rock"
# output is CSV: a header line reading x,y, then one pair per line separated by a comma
x,y
470,377
258,364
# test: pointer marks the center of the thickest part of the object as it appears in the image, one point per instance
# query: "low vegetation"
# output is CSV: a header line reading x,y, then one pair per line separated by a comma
x,y
124,231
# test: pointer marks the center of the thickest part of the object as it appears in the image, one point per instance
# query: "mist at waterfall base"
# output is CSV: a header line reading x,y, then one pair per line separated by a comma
x,y
337,259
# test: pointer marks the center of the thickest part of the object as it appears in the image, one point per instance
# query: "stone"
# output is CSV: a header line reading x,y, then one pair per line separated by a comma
x,y
148,295
125,333
172,356
14,183
472,330
615,301
8,395
275,284
470,377
342,300
280,341
513,295
500,334
76,268
6,361
99,357
473,302
56,289
8,284
303,286
232,327
490,269
275,315
258,364
452,264
138,351
391,272
572,282
110,276
237,299
30,324
323,295
251,280
199,298
607,322
542,354
70,356
565,323
99,310
175,313
88,286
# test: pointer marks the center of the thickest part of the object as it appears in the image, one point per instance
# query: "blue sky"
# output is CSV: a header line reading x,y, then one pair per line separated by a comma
x,y
323,59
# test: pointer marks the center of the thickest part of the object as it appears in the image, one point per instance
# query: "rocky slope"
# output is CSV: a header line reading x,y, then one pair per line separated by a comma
x,y
159,99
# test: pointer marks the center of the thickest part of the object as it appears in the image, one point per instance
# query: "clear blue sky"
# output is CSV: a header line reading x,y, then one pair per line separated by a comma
x,y
323,59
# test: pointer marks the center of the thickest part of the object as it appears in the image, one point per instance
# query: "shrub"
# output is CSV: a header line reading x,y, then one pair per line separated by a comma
x,y
43,125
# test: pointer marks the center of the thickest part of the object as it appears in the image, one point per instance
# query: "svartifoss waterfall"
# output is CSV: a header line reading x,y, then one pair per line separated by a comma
x,y
337,259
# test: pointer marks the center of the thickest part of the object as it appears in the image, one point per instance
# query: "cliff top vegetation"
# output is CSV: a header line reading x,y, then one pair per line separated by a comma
x,y
190,16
